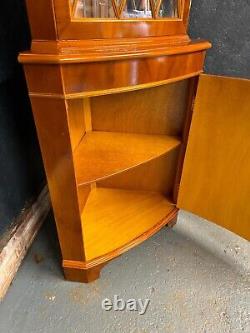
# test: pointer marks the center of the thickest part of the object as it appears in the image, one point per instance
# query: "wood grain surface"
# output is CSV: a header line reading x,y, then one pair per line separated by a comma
x,y
215,182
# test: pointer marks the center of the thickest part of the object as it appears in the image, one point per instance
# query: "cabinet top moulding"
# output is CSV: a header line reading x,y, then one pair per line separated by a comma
x,y
68,52
60,25
62,39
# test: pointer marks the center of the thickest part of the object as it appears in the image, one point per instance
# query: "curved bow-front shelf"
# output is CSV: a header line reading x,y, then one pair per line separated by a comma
x,y
133,215
104,154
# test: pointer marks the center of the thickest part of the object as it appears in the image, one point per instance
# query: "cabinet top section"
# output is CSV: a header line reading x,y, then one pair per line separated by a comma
x,y
106,19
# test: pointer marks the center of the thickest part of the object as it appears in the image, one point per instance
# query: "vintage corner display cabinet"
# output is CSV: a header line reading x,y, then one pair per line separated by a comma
x,y
130,130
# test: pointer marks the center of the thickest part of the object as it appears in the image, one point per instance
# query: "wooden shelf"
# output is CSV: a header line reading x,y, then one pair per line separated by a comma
x,y
103,154
115,220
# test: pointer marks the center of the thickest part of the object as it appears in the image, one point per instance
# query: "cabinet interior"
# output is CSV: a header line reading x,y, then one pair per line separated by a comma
x,y
126,149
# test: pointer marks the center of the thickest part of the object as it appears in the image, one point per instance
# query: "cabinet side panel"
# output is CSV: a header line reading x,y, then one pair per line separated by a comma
x,y
54,138
41,18
215,182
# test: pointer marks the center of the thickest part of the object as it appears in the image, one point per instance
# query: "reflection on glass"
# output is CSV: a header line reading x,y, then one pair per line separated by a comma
x,y
137,8
168,8
93,8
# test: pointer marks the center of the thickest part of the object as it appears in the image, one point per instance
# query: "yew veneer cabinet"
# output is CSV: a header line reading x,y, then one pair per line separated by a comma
x,y
130,130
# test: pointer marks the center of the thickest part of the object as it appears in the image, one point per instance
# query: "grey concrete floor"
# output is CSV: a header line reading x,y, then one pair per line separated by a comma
x,y
196,276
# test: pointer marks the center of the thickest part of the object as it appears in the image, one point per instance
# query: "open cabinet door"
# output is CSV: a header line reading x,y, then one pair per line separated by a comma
x,y
215,181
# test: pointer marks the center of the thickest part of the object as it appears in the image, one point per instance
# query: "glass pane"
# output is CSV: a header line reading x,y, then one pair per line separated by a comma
x,y
137,8
168,8
93,8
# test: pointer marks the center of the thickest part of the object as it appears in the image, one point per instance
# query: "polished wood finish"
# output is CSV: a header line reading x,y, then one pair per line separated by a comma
x,y
69,28
41,28
61,49
172,223
101,261
88,271
78,120
131,112
215,181
64,52
52,126
106,77
59,23
111,153
73,272
144,176
185,11
110,129
133,214
191,94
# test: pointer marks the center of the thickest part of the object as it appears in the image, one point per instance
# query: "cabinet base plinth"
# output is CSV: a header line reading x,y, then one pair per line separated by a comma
x,y
82,275
172,223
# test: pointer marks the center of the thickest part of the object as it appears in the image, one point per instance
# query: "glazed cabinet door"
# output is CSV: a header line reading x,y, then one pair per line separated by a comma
x,y
215,182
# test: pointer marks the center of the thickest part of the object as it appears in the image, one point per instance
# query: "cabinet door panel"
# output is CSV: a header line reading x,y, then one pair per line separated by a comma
x,y
215,182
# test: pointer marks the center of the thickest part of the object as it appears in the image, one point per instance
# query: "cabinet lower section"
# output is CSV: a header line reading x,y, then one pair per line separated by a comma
x,y
114,221
113,164
112,117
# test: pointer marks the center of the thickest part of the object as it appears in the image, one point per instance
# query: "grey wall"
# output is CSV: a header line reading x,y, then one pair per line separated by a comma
x,y
226,23
21,172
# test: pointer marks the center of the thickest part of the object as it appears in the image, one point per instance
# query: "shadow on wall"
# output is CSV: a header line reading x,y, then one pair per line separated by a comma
x,y
226,25
21,168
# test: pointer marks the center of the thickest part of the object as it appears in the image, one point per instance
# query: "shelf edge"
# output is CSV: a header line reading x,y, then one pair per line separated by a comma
x,y
175,145
118,90
111,255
